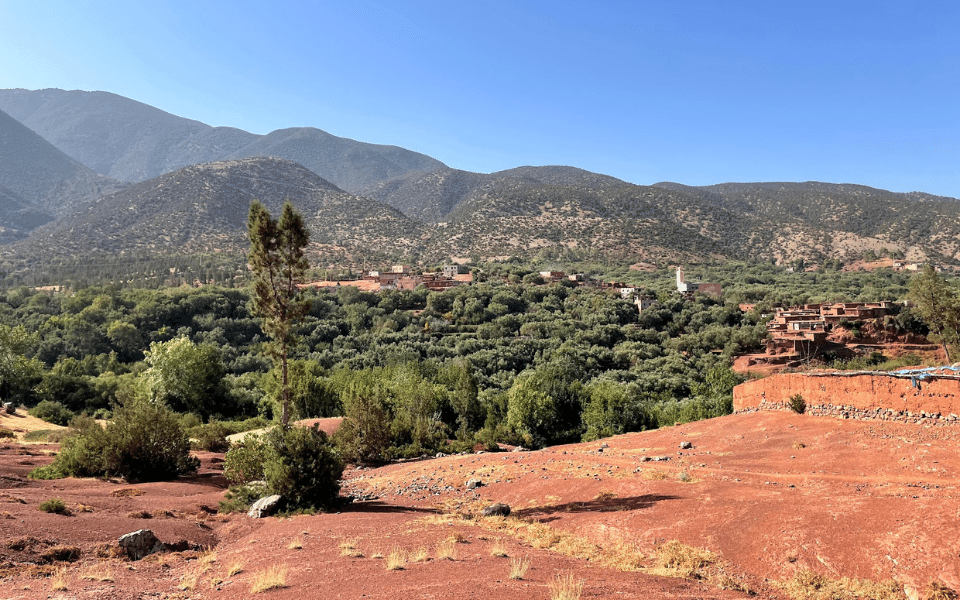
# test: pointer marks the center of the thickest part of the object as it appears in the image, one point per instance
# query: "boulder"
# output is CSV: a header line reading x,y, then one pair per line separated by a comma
x,y
686,445
496,510
9,408
140,543
473,484
264,507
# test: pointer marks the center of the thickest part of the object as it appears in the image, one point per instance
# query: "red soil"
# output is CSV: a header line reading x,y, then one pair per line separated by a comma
x,y
770,492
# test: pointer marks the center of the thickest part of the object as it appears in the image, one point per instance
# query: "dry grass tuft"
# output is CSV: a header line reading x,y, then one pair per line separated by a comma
x,y
566,587
349,548
140,514
396,560
447,550
519,567
273,578
459,537
98,572
936,590
656,475
809,585
189,580
235,566
498,548
419,555
675,559
127,492
58,582
604,496
295,544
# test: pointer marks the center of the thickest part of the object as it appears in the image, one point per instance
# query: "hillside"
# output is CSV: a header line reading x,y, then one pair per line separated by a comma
x,y
204,208
784,503
131,141
438,213
39,178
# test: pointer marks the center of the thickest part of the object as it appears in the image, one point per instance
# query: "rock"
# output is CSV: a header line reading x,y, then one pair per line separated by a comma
x,y
496,510
264,507
9,408
686,445
140,543
473,484
521,449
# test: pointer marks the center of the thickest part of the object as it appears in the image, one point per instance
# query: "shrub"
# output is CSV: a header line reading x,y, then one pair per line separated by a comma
x,y
211,437
6,433
244,461
798,404
297,463
54,505
144,442
303,467
52,412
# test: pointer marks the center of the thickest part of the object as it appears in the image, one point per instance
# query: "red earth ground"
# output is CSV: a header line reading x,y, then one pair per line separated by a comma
x,y
769,493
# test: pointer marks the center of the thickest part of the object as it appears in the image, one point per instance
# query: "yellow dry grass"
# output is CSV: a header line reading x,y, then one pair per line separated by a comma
x,y
809,585
447,550
396,560
519,565
272,578
566,587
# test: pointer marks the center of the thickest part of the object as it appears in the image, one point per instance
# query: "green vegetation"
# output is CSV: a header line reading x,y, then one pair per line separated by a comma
x,y
54,505
938,305
143,442
414,372
298,463
279,267
798,404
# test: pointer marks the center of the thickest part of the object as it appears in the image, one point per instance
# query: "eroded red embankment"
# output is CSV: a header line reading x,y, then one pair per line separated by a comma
x,y
854,395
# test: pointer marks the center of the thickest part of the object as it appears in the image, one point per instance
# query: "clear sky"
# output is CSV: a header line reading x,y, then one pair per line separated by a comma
x,y
694,92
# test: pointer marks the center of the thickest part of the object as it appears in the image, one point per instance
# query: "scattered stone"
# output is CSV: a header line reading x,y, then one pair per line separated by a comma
x,y
140,543
521,449
496,510
686,445
264,507
473,484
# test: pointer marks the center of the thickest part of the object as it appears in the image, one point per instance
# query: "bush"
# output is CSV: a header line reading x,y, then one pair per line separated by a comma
x,y
52,412
54,505
303,467
798,404
6,433
144,442
245,459
297,463
211,437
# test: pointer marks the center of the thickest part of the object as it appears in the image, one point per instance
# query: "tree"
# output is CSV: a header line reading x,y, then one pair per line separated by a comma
x,y
937,305
279,267
187,376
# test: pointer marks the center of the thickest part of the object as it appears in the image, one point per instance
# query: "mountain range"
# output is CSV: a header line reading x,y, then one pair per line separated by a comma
x,y
96,174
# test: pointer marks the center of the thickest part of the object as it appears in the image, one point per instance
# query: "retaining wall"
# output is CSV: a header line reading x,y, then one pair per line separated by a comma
x,y
935,400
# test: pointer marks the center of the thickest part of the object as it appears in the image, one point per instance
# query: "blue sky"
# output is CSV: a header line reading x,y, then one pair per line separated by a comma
x,y
693,92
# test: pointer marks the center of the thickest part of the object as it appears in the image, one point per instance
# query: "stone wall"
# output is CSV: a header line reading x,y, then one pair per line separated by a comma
x,y
935,400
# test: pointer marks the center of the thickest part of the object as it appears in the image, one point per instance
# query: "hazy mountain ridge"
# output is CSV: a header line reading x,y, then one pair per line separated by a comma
x,y
412,206
131,141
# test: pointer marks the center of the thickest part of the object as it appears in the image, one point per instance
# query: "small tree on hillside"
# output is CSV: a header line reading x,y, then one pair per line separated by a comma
x,y
937,305
279,267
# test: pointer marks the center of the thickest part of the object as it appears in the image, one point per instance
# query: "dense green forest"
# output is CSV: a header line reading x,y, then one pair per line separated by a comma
x,y
503,360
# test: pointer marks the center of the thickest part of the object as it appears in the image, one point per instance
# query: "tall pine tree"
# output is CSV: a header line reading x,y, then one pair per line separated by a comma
x,y
279,267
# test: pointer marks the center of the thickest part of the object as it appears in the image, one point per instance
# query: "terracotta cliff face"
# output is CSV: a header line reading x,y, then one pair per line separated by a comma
x,y
857,396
